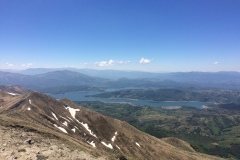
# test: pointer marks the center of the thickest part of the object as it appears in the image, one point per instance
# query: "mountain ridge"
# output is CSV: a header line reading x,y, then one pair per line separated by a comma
x,y
88,129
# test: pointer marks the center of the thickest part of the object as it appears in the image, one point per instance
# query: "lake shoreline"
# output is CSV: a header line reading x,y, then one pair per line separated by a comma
x,y
87,96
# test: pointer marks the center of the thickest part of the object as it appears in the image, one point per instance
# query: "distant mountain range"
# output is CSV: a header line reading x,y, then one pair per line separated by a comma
x,y
222,76
50,80
108,74
84,129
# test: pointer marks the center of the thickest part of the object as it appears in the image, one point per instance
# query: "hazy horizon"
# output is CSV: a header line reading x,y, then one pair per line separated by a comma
x,y
137,35
104,69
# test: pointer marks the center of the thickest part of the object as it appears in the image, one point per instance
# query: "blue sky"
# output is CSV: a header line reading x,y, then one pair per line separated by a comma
x,y
147,35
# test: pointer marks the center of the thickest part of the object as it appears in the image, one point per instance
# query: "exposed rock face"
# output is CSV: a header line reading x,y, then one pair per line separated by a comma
x,y
83,128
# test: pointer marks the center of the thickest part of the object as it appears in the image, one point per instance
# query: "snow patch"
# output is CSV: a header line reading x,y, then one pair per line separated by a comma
x,y
65,123
54,115
107,145
72,111
114,137
74,130
138,144
30,101
85,125
13,94
62,129
118,147
92,143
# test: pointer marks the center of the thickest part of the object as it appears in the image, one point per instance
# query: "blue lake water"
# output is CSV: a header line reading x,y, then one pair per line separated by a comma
x,y
81,96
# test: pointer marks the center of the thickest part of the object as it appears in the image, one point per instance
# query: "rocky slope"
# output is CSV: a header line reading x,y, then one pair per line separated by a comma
x,y
15,89
19,143
63,122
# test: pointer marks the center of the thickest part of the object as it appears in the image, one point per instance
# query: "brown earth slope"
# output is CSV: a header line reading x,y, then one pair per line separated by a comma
x,y
63,122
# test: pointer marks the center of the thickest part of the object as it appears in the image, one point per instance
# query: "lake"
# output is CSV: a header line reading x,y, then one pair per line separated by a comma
x,y
81,96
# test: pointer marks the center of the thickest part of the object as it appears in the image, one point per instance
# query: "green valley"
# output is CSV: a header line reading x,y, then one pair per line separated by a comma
x,y
212,130
173,94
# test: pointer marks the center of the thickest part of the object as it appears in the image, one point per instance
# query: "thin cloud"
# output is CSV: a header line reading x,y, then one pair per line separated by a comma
x,y
66,66
26,65
121,62
103,63
144,61
215,63
10,65
110,63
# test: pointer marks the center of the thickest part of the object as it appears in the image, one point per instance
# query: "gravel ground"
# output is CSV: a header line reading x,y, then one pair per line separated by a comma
x,y
18,144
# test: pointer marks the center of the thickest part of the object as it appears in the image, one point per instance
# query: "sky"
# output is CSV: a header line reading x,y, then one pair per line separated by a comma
x,y
144,35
